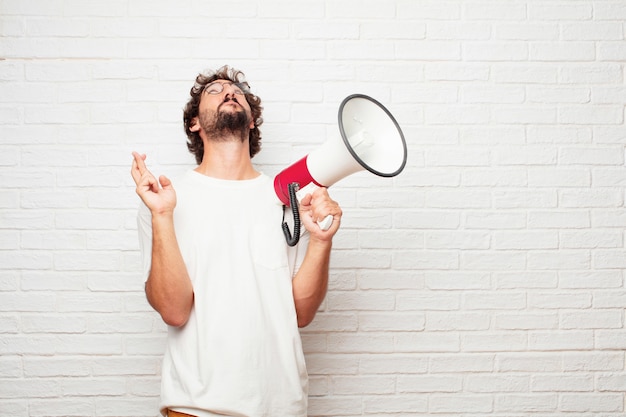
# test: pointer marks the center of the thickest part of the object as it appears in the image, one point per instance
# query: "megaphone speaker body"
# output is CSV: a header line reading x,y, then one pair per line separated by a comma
x,y
371,139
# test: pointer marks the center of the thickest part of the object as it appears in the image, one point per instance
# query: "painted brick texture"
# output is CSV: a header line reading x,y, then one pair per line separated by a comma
x,y
486,280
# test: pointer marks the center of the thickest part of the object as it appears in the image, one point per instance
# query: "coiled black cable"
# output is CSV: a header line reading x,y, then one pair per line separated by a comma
x,y
293,200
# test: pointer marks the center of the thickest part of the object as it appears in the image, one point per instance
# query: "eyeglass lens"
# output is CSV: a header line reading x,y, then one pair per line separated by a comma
x,y
217,87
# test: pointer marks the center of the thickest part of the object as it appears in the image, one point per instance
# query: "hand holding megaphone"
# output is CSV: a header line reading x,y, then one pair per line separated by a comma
x,y
310,188
372,141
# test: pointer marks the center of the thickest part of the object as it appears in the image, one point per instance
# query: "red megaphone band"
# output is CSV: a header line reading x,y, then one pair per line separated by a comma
x,y
297,172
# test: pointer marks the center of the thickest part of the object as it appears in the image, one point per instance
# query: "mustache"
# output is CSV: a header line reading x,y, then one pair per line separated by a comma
x,y
227,99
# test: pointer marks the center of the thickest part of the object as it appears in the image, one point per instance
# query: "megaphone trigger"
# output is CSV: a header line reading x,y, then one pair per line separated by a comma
x,y
307,189
326,223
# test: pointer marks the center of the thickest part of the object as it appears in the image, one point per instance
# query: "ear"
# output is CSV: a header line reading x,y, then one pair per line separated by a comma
x,y
195,126
252,124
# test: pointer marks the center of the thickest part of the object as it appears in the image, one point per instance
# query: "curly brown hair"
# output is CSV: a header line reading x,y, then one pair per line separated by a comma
x,y
191,109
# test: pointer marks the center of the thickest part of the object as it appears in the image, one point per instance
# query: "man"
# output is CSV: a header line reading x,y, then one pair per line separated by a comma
x,y
218,268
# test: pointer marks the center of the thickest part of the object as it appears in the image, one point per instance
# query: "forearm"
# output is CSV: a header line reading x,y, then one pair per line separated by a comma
x,y
311,281
168,288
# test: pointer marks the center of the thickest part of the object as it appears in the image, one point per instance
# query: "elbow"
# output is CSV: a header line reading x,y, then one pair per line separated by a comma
x,y
175,314
174,319
305,319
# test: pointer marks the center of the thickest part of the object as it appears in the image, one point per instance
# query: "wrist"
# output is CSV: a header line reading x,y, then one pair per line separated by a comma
x,y
320,243
162,216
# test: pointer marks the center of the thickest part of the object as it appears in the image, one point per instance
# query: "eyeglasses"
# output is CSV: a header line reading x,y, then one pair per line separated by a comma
x,y
217,87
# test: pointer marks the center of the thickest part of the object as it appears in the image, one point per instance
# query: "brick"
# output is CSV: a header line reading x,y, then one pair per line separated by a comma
x,y
605,319
458,198
610,339
456,240
359,385
431,10
424,302
125,407
586,31
578,239
52,324
560,340
441,71
327,30
393,364
463,30
495,51
552,300
493,261
592,402
533,199
571,259
526,279
571,95
611,382
529,362
593,361
559,177
560,11
390,322
58,367
571,51
360,343
493,220
454,321
518,240
369,300
426,260
561,383
592,74
88,387
395,404
526,403
426,342
496,342
498,384
556,219
333,406
528,31
447,280
442,403
559,134
337,364
429,384
592,115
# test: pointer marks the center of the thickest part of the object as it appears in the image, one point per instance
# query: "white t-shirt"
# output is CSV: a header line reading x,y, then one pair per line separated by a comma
x,y
240,353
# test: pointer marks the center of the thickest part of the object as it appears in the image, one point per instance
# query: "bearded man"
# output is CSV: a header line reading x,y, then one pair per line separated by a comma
x,y
218,270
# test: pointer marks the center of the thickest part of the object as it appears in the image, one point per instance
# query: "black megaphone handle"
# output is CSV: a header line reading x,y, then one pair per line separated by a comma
x,y
293,200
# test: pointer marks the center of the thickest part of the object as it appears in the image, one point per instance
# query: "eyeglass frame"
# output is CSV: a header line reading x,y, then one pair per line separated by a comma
x,y
242,87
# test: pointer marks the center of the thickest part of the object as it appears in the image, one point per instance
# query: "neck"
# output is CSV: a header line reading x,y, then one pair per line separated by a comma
x,y
227,160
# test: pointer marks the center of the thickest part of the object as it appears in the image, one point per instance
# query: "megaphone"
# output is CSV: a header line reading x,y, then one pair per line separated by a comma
x,y
371,140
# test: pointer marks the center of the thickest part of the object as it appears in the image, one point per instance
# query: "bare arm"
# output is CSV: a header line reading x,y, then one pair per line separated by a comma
x,y
168,288
311,282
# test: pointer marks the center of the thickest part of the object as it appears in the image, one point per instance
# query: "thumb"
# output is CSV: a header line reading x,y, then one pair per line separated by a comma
x,y
165,182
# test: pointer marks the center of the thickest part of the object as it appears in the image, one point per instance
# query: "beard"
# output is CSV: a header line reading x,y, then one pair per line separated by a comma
x,y
223,125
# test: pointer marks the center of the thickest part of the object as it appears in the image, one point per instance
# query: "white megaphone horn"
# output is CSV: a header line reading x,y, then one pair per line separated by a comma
x,y
372,141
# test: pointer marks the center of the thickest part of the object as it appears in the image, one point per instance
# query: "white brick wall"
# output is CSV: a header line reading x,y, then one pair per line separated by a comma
x,y
486,280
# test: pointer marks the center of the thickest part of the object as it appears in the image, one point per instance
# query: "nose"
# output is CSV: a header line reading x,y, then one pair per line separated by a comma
x,y
229,95
229,90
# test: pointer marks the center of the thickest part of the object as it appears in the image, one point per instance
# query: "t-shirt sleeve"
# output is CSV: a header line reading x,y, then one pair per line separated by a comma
x,y
144,229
